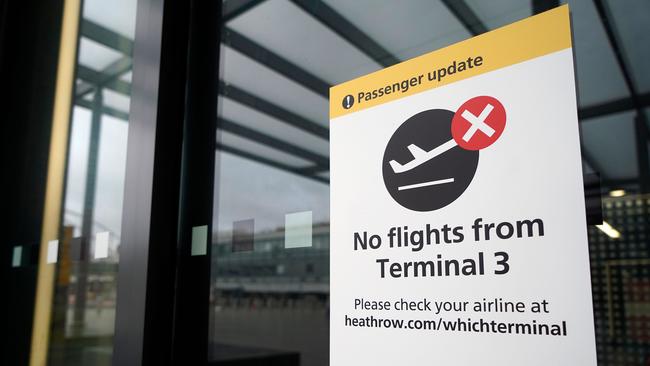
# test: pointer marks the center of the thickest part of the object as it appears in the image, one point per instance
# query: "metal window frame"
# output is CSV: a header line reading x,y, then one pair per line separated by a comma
x,y
168,186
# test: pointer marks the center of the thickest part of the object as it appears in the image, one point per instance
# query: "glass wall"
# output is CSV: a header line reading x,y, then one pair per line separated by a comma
x,y
270,257
83,312
269,283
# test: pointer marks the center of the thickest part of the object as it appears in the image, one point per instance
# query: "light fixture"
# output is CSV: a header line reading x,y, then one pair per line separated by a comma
x,y
609,230
617,193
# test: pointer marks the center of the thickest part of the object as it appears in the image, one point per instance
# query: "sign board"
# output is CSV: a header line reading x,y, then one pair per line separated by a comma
x,y
458,230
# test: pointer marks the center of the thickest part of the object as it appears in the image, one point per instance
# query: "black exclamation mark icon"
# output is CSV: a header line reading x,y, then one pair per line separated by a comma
x,y
348,101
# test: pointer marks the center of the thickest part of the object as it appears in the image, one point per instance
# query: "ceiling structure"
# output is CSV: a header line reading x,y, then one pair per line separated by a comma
x,y
279,58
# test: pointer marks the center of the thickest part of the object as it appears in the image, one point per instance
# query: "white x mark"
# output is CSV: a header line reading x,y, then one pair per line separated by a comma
x,y
478,123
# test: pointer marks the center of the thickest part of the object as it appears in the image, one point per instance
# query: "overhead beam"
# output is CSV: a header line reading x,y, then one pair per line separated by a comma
x,y
106,37
619,183
269,162
273,110
108,79
116,69
322,163
110,111
614,106
346,30
112,40
98,78
584,113
226,125
540,6
272,60
466,16
641,133
315,169
107,75
227,90
234,8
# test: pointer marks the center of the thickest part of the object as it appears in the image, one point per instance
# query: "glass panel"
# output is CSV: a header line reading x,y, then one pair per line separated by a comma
x,y
260,150
599,77
271,86
110,176
95,55
269,284
495,14
83,312
620,272
116,15
612,143
430,24
270,274
127,77
303,30
116,100
248,117
631,19
77,167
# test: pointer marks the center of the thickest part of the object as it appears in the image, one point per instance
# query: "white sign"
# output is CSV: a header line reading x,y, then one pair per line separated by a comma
x,y
458,225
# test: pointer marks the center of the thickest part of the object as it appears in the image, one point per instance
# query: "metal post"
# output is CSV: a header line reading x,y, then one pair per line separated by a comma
x,y
144,324
191,312
641,129
88,213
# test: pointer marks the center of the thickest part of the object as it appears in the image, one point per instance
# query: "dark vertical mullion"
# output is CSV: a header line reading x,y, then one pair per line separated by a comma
x,y
641,125
91,164
145,285
616,44
641,133
614,41
30,33
191,313
88,215
587,157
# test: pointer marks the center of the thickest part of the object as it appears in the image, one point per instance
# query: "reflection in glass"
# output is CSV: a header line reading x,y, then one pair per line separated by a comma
x,y
278,59
85,289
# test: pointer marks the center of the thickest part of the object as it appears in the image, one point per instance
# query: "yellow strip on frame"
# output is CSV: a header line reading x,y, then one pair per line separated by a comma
x,y
55,179
532,37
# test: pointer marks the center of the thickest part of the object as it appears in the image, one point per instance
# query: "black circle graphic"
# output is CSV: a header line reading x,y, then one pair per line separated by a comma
x,y
427,184
347,102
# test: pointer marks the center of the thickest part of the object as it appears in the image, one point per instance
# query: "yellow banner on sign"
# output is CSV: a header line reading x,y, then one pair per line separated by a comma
x,y
521,41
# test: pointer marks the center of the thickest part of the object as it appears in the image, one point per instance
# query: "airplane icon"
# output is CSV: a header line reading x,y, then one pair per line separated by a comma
x,y
477,123
417,172
420,156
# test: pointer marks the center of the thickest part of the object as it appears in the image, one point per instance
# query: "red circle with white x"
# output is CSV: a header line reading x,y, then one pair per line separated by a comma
x,y
478,123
